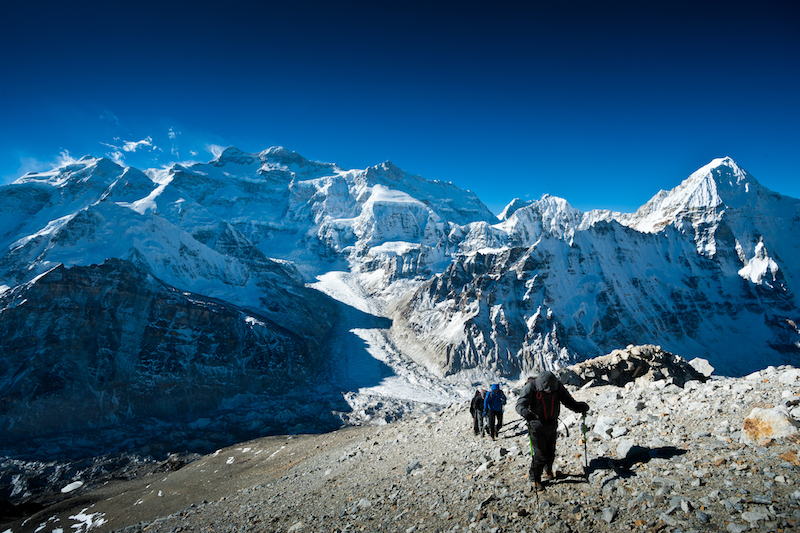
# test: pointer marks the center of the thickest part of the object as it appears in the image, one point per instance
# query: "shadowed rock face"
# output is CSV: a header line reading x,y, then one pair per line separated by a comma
x,y
88,347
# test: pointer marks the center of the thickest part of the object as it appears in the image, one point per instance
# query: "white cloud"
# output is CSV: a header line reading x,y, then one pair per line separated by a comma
x,y
117,157
132,146
64,159
115,154
215,149
173,136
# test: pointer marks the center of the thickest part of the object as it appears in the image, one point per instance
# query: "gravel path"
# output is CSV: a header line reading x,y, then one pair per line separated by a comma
x,y
662,458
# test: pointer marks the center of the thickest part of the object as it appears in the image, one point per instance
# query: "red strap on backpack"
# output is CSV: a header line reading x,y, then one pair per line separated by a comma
x,y
541,397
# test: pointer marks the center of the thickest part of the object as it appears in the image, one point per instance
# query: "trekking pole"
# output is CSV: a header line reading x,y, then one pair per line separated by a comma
x,y
585,448
530,440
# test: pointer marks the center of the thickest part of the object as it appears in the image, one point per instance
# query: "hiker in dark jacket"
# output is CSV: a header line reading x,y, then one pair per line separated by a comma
x,y
476,410
493,408
539,404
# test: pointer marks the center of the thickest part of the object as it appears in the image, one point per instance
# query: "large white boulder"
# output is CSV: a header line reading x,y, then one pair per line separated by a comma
x,y
702,366
772,423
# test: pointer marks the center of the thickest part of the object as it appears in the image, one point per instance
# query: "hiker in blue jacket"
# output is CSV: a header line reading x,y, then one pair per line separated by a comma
x,y
493,408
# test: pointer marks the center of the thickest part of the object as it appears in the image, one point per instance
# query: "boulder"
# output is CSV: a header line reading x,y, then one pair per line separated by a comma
x,y
772,423
647,362
790,376
702,366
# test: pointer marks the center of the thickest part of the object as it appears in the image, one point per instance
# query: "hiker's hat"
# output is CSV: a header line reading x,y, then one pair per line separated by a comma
x,y
546,382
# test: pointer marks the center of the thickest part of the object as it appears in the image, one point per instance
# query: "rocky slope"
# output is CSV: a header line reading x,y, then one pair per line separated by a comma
x,y
661,457
112,354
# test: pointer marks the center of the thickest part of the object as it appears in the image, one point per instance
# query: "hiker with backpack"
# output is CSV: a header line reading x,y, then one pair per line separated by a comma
x,y
493,409
476,410
539,404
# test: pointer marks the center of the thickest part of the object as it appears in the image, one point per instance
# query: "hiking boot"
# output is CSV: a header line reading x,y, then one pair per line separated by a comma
x,y
548,475
537,486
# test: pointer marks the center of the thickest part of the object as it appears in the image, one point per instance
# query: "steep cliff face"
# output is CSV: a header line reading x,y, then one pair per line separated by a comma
x,y
91,347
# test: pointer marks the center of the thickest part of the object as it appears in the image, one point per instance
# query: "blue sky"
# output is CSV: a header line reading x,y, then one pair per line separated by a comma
x,y
601,103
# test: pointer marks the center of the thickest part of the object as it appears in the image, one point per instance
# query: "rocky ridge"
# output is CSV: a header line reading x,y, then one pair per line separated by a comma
x,y
647,362
661,457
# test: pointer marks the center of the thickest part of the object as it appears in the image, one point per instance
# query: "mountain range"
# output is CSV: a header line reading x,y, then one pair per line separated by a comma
x,y
266,293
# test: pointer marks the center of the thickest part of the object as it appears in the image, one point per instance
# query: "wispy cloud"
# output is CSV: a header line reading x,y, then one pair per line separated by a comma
x,y
128,147
117,157
173,137
32,164
215,149
64,159
108,116
115,154
132,146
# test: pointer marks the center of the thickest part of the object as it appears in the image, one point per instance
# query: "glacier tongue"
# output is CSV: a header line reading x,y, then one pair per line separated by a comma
x,y
385,382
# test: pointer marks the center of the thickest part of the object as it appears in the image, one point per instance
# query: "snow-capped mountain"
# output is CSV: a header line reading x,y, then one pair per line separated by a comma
x,y
268,277
708,269
172,294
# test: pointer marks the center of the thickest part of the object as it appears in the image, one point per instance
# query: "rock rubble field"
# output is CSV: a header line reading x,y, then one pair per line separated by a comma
x,y
710,454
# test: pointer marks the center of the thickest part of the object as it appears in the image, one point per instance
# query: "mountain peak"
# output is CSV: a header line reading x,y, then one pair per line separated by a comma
x,y
509,210
283,156
722,170
720,184
277,151
233,155
726,161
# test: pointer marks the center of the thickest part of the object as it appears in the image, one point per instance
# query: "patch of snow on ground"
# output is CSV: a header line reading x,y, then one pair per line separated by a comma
x,y
87,521
72,486
393,248
147,203
342,286
758,266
